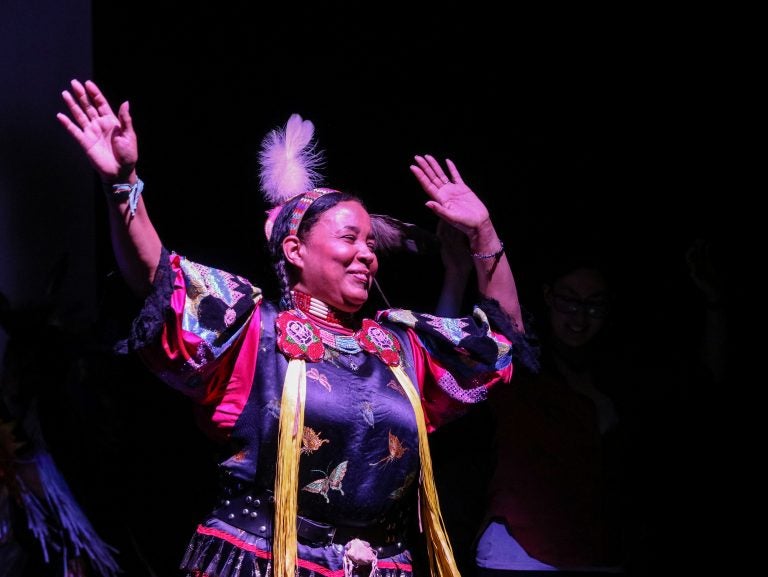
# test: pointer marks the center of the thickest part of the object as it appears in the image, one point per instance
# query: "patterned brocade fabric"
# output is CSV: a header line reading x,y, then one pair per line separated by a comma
x,y
210,335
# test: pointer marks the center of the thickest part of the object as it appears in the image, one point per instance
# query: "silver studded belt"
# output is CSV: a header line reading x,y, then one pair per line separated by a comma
x,y
255,514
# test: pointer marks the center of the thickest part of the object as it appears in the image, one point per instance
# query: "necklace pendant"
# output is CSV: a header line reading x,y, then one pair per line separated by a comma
x,y
297,337
377,340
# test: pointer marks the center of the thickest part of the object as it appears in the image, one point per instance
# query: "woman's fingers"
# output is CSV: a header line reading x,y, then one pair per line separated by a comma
x,y
124,114
74,108
436,172
423,179
100,103
454,171
432,171
83,100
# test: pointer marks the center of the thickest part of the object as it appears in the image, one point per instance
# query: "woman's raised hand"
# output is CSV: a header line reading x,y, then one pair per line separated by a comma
x,y
450,198
108,140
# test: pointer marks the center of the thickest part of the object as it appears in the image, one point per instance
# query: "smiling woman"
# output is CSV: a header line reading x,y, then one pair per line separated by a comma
x,y
596,308
322,414
578,303
337,262
555,498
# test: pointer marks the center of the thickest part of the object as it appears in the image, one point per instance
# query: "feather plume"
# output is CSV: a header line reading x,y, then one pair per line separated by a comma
x,y
394,235
289,161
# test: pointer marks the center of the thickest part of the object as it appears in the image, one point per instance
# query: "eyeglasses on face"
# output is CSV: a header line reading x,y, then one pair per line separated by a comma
x,y
570,306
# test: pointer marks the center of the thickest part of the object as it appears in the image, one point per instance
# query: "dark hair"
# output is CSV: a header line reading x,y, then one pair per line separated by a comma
x,y
281,229
560,260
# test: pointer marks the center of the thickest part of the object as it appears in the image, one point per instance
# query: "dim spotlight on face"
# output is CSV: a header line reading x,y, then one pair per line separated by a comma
x,y
578,304
339,261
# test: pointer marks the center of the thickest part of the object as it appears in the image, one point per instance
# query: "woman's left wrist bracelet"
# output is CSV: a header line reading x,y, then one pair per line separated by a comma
x,y
487,255
130,192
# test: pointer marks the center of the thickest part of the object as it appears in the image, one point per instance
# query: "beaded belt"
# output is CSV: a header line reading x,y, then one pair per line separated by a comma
x,y
255,515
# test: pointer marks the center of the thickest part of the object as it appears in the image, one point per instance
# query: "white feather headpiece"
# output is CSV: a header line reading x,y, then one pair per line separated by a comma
x,y
289,161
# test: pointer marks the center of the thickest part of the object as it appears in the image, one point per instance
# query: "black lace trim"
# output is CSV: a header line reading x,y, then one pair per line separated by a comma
x,y
148,324
525,345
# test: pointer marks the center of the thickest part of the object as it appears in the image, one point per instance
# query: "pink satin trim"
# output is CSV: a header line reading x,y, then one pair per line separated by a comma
x,y
436,403
300,562
240,383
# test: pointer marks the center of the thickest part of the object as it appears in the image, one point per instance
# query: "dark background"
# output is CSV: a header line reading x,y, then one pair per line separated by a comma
x,y
629,128
614,126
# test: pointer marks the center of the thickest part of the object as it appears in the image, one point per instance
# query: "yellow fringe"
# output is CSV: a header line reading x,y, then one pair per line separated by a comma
x,y
441,561
284,547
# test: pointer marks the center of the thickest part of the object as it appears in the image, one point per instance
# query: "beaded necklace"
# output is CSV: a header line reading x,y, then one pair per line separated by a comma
x,y
306,330
320,313
318,309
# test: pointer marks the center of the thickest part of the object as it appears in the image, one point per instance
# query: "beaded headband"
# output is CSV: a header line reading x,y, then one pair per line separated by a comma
x,y
301,207
304,203
298,211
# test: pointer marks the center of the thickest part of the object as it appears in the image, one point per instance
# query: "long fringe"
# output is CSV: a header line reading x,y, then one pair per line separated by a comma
x,y
216,557
284,547
60,514
441,560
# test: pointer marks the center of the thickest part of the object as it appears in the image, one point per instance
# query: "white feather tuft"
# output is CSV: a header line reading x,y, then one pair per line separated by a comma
x,y
289,161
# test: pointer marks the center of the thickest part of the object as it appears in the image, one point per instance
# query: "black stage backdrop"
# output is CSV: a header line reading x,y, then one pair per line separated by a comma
x,y
591,126
568,125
